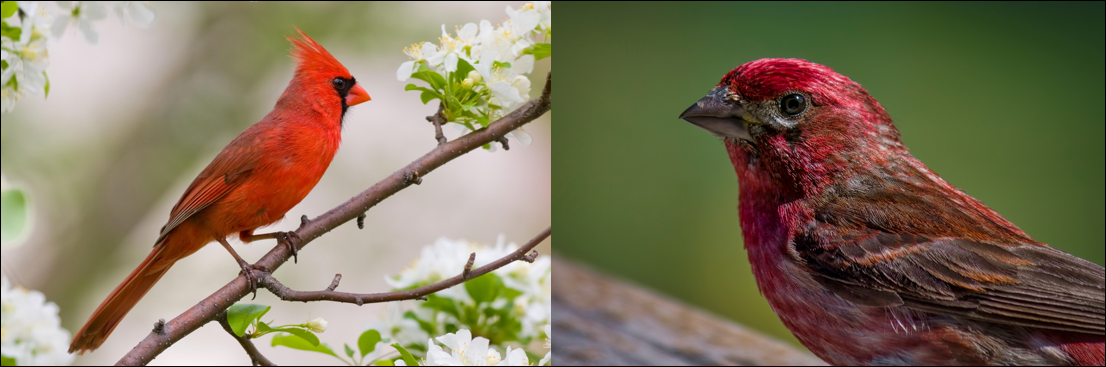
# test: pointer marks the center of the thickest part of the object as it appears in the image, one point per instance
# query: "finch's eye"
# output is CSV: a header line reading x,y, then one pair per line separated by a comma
x,y
339,83
793,104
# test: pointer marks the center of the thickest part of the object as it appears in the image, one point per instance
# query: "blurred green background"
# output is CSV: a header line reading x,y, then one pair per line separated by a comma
x,y
1003,100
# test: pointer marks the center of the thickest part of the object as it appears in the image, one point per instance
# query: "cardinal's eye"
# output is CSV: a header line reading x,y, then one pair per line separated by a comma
x,y
339,83
793,104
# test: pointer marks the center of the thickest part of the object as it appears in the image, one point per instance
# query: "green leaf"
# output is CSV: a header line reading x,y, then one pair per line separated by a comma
x,y
350,352
428,96
5,361
384,363
510,293
540,51
242,316
13,214
439,79
298,343
302,334
467,106
407,357
442,304
47,84
463,69
484,289
502,65
263,327
436,81
6,10
367,342
9,31
424,325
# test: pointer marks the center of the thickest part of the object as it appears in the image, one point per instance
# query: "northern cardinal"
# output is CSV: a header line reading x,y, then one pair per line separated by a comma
x,y
252,183
870,258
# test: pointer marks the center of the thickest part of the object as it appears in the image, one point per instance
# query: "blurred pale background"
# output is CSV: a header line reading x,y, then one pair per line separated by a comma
x,y
1003,100
130,121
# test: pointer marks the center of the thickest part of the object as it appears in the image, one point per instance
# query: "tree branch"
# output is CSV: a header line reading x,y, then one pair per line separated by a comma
x,y
269,282
251,350
209,308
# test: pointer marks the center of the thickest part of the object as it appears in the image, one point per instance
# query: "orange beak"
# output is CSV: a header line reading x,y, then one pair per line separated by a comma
x,y
357,96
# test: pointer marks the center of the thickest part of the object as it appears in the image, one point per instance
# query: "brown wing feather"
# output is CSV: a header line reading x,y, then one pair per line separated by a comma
x,y
227,171
1021,284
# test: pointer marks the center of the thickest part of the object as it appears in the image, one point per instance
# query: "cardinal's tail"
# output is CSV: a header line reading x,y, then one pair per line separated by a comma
x,y
120,301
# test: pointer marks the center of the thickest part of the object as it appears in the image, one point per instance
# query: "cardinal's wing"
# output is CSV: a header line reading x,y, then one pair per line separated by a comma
x,y
227,171
1018,284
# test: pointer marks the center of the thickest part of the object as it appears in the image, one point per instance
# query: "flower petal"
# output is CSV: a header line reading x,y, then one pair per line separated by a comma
x,y
450,341
405,71
60,24
93,10
520,46
523,65
522,137
429,50
89,33
140,14
505,91
477,351
468,32
526,21
451,62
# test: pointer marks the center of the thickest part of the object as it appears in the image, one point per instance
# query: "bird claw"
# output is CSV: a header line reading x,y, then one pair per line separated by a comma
x,y
247,270
286,238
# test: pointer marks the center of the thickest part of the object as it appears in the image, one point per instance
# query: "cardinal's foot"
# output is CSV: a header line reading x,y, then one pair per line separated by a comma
x,y
290,239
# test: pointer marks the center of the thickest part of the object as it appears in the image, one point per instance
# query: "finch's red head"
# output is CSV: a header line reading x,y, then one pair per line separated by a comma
x,y
318,73
778,95
800,119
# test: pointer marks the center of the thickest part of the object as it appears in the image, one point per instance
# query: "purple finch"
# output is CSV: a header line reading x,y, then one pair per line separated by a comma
x,y
870,258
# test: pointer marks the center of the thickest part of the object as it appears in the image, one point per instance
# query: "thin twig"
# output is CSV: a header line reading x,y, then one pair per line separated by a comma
x,y
438,119
334,284
208,309
468,266
251,350
286,294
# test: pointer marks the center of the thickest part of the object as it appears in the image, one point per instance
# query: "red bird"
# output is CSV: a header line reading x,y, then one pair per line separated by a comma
x,y
870,258
251,184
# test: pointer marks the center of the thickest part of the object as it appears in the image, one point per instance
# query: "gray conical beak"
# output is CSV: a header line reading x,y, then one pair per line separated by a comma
x,y
719,115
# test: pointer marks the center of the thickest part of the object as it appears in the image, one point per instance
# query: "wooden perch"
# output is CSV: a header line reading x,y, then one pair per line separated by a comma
x,y
606,322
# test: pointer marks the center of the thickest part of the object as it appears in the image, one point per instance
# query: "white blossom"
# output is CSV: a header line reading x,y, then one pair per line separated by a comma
x,y
396,328
515,357
443,260
424,52
27,57
463,350
482,45
80,14
31,331
134,12
548,345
